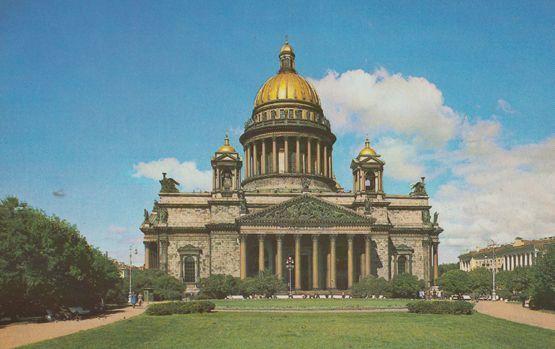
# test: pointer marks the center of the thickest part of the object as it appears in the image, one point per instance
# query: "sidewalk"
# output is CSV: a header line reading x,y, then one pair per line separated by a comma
x,y
516,313
16,334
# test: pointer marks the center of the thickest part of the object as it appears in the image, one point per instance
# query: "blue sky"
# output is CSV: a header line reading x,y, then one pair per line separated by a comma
x,y
90,89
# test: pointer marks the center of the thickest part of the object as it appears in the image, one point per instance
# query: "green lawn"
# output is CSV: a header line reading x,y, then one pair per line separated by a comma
x,y
309,330
309,304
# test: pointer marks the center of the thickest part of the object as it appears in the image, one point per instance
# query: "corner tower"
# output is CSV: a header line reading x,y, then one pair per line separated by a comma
x,y
288,142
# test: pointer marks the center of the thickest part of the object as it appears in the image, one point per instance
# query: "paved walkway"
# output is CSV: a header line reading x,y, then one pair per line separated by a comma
x,y
16,334
517,313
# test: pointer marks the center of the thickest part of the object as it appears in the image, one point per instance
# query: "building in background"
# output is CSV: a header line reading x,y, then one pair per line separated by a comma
x,y
521,253
289,204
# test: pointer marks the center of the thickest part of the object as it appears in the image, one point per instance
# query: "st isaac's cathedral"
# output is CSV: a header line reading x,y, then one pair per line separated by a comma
x,y
287,203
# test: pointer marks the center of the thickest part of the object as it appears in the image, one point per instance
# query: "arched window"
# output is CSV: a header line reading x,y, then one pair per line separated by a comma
x,y
401,264
189,269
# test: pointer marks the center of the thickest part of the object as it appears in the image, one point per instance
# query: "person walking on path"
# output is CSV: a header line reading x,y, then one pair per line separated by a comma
x,y
133,299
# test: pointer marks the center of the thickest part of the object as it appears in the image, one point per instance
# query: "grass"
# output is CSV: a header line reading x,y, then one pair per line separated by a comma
x,y
309,330
309,304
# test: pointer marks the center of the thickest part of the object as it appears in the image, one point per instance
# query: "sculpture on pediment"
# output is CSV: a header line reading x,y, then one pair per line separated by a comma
x,y
426,216
367,205
436,216
168,185
147,216
161,213
419,188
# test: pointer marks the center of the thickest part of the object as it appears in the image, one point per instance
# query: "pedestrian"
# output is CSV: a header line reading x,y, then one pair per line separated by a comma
x,y
140,299
133,299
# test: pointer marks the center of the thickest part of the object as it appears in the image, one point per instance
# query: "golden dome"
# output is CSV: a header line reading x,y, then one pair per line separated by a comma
x,y
226,148
367,150
286,48
287,84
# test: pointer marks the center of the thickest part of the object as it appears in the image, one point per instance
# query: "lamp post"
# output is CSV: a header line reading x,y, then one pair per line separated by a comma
x,y
494,266
131,252
290,264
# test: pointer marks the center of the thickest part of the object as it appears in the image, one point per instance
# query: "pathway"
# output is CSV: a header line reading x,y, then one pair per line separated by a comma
x,y
516,313
16,334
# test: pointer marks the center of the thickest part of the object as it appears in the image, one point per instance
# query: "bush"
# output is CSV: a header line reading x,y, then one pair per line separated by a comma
x,y
371,286
217,286
164,286
405,286
441,307
180,308
264,283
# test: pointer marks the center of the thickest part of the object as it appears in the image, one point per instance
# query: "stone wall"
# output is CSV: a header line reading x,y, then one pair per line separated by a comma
x,y
420,255
225,253
188,216
380,262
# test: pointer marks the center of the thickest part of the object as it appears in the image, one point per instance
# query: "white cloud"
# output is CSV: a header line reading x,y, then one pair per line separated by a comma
x,y
498,194
492,191
505,106
402,159
358,101
186,173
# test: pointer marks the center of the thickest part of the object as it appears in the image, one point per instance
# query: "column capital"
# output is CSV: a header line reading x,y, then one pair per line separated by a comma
x,y
350,237
368,237
261,236
333,236
315,237
298,236
279,236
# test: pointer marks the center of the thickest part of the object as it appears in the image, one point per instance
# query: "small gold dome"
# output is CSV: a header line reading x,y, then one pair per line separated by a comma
x,y
226,148
367,150
286,48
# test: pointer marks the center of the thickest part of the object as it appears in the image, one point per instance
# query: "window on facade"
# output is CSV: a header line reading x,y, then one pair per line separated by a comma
x,y
282,114
290,113
402,264
273,113
298,114
189,269
264,116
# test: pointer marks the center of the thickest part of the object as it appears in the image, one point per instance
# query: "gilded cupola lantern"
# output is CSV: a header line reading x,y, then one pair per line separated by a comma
x,y
367,170
226,169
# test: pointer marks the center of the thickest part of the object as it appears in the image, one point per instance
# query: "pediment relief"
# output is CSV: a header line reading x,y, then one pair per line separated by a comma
x,y
306,211
189,249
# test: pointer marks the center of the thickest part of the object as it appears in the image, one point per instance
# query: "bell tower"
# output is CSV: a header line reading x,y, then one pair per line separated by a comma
x,y
226,170
367,171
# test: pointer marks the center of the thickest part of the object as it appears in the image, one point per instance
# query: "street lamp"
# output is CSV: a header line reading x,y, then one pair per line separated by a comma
x,y
131,252
290,264
494,266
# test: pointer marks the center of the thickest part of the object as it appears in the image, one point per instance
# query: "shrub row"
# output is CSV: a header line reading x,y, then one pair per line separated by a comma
x,y
441,307
401,286
219,286
180,308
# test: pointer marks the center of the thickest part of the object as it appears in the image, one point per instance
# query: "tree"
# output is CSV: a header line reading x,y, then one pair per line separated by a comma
x,y
405,286
542,288
480,281
45,263
445,267
456,282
